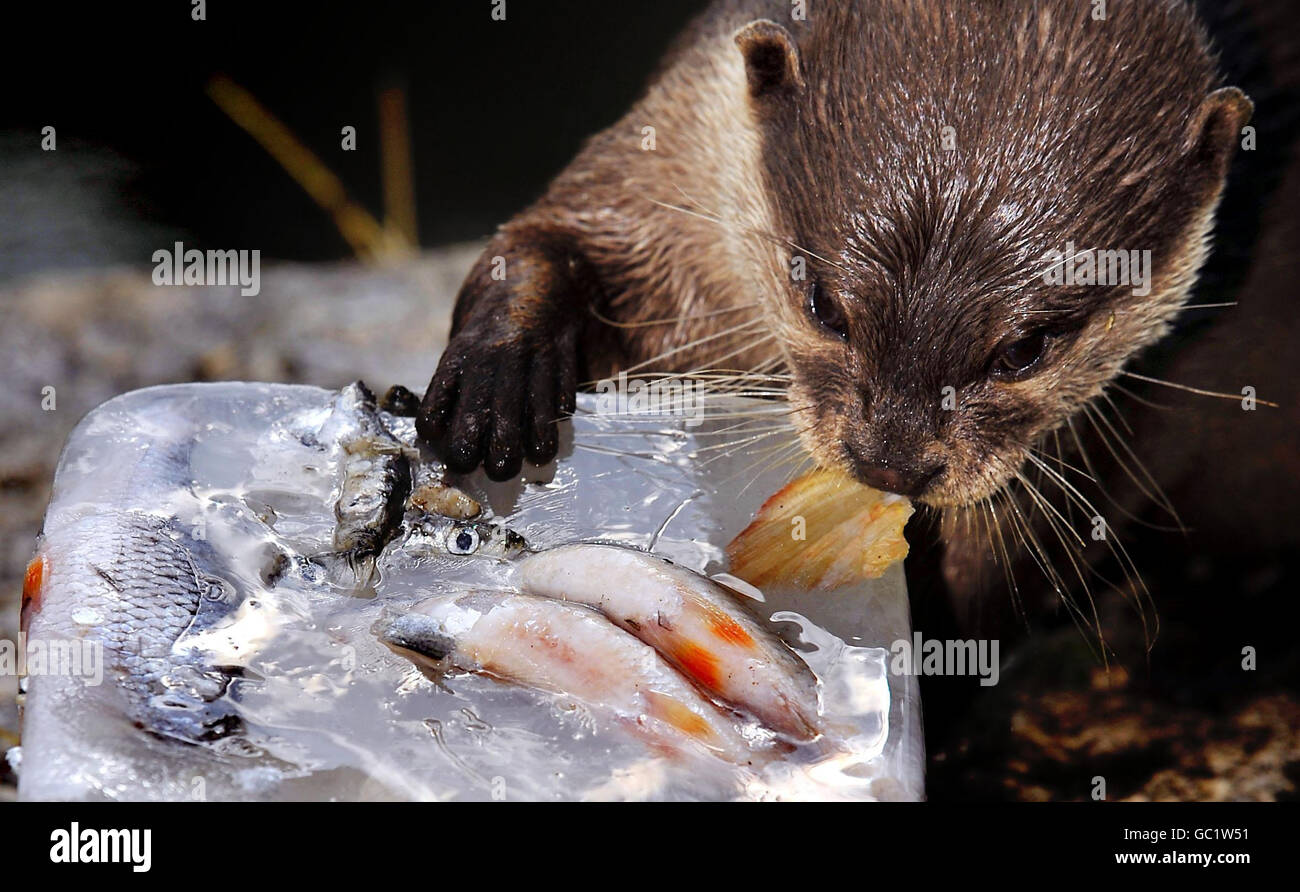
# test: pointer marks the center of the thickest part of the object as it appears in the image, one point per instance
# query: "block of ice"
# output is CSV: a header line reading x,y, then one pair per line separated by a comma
x,y
187,548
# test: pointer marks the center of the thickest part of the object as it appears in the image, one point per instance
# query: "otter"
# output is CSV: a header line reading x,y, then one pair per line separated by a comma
x,y
917,161
859,201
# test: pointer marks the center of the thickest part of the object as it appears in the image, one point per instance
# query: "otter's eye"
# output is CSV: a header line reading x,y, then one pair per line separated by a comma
x,y
462,540
826,310
1016,359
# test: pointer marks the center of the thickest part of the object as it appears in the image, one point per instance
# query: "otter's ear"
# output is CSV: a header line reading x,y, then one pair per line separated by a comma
x,y
1215,132
771,58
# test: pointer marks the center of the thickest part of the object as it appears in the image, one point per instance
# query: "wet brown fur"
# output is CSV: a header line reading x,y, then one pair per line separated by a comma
x,y
775,139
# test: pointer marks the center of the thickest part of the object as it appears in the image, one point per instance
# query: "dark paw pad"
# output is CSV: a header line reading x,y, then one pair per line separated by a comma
x,y
496,401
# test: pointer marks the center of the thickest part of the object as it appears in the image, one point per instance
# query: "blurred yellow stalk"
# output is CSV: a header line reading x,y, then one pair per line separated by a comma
x,y
371,241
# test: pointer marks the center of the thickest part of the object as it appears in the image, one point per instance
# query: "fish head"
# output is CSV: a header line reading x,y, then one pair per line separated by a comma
x,y
470,538
421,638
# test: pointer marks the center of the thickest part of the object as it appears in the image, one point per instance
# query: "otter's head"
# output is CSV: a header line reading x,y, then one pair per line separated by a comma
x,y
944,172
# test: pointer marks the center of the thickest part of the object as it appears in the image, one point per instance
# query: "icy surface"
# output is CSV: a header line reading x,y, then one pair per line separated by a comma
x,y
328,712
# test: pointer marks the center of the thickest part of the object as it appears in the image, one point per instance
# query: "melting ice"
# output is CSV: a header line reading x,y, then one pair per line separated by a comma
x,y
199,524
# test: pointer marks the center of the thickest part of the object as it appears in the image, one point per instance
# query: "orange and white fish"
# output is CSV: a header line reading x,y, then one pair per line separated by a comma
x,y
571,650
695,623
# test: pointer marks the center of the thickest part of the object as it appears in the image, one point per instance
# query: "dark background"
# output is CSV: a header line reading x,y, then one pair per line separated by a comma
x,y
496,109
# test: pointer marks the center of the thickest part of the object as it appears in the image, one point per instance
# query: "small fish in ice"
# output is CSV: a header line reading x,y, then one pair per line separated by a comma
x,y
462,538
376,475
145,591
694,622
571,650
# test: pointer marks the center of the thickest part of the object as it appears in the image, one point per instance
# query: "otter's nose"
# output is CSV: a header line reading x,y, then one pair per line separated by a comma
x,y
904,482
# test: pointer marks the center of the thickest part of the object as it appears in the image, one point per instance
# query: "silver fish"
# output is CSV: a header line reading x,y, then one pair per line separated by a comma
x,y
695,623
566,649
447,536
141,591
376,475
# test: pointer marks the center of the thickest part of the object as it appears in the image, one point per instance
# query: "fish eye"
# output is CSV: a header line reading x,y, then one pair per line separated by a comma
x,y
826,310
462,540
1016,359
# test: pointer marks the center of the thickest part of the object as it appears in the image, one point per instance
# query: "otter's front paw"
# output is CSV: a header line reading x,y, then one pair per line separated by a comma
x,y
497,395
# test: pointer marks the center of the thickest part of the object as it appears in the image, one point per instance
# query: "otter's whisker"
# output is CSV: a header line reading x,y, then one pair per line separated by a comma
x,y
763,457
735,377
686,317
1236,397
1073,549
730,226
1040,556
995,527
744,348
668,432
1062,466
690,345
1058,526
1037,497
1132,576
778,388
1154,492
622,453
1060,462
1122,420
778,410
1146,402
1115,503
744,427
733,445
782,457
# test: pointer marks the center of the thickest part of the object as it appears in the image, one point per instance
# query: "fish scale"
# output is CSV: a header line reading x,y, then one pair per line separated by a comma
x,y
142,594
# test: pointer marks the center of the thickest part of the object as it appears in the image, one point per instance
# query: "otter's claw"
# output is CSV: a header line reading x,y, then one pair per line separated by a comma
x,y
497,396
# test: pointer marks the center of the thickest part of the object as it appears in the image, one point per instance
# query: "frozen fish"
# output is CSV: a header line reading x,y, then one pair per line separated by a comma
x,y
695,623
570,650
